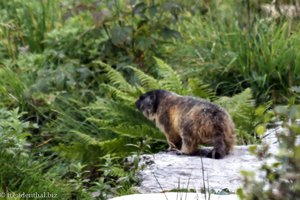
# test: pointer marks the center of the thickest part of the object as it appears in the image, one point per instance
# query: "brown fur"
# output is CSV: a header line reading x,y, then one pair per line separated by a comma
x,y
188,122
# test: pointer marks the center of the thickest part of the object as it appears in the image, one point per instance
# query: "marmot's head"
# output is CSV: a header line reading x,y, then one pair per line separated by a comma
x,y
148,103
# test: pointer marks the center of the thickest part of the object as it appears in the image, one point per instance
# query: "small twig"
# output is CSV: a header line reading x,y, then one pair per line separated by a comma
x,y
178,188
208,187
187,187
203,179
160,185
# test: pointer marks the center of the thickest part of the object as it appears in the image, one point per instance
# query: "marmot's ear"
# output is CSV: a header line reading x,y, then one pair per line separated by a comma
x,y
138,104
155,99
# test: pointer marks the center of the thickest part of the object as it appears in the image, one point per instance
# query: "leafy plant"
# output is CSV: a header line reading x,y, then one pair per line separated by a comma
x,y
245,115
11,88
115,31
20,171
279,173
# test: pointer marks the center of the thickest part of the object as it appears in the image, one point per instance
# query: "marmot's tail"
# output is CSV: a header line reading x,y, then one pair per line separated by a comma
x,y
229,136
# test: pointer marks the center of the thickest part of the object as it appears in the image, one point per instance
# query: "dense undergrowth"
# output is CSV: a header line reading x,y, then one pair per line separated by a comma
x,y
70,72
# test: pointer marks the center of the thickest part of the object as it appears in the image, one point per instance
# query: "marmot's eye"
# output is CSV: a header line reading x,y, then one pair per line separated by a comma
x,y
142,97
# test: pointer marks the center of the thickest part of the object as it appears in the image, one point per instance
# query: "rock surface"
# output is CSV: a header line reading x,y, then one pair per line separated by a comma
x,y
168,171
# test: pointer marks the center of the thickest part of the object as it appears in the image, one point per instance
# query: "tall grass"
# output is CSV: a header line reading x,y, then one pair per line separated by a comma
x,y
11,88
25,23
232,53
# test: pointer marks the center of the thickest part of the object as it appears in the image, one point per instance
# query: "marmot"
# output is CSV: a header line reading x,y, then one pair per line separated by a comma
x,y
188,121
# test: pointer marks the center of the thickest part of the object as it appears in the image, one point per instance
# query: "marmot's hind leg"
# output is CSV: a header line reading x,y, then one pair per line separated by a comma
x,y
219,150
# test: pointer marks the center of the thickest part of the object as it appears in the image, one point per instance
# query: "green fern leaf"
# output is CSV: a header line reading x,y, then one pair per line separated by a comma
x,y
137,131
241,107
199,89
147,81
115,77
112,91
170,78
118,172
119,146
84,138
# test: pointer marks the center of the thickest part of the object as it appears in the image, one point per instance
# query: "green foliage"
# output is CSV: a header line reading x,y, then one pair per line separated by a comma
x,y
23,172
11,88
116,31
242,109
75,68
279,177
170,79
26,23
232,53
19,170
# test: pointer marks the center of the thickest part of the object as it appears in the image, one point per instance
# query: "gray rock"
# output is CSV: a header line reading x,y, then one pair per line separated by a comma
x,y
168,171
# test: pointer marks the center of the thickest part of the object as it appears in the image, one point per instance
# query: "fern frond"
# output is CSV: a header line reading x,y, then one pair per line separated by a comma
x,y
115,77
129,129
123,120
200,89
118,172
100,122
241,107
147,81
140,90
238,102
170,78
135,131
118,146
86,139
118,112
119,94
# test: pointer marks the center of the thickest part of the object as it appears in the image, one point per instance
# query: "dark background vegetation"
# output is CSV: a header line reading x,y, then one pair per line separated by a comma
x,y
71,70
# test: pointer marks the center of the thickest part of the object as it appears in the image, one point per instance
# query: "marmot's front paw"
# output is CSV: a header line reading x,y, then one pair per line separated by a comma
x,y
171,149
179,152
